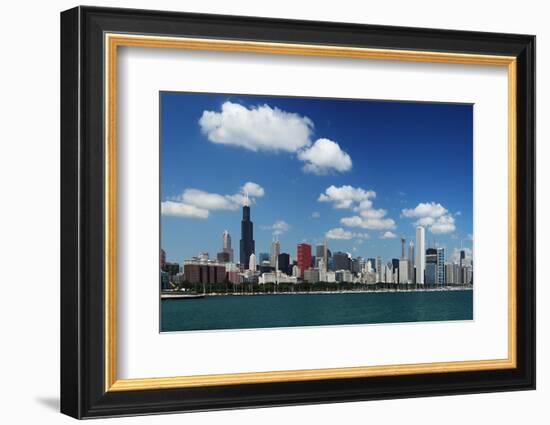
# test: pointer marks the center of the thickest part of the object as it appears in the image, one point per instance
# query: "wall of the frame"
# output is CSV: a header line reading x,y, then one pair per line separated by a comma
x,y
29,225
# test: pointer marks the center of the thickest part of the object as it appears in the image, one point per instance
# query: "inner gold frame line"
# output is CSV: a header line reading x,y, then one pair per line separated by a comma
x,y
113,40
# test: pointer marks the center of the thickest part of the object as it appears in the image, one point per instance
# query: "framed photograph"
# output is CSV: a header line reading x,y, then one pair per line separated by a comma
x,y
261,212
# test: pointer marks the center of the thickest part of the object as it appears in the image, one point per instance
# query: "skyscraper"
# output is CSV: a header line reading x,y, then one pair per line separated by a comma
x,y
247,237
403,271
402,248
420,261
372,263
321,253
284,263
252,262
411,261
440,277
303,255
226,245
341,261
430,274
275,251
162,259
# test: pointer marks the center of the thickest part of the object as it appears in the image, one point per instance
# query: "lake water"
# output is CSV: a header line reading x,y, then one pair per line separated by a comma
x,y
268,311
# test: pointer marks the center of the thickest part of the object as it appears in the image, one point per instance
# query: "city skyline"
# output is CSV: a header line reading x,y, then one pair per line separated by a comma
x,y
428,268
359,174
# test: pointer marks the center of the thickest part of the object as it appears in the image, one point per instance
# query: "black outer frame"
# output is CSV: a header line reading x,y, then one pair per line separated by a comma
x,y
82,206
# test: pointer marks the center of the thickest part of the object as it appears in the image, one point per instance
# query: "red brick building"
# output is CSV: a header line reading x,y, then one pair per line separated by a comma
x,y
303,258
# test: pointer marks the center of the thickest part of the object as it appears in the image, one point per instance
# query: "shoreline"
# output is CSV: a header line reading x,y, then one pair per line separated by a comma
x,y
353,291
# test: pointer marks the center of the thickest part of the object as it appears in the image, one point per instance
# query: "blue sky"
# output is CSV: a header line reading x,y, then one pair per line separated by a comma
x,y
358,173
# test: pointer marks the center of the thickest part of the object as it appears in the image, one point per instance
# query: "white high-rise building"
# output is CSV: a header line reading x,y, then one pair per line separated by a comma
x,y
403,271
252,262
275,251
420,261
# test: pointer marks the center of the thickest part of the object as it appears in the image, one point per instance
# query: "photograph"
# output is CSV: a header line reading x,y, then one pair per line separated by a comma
x,y
280,211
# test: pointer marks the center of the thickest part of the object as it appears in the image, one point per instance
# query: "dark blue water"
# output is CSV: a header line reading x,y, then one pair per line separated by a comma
x,y
267,311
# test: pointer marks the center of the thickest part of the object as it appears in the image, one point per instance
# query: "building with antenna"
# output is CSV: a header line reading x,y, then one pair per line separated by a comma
x,y
226,245
247,236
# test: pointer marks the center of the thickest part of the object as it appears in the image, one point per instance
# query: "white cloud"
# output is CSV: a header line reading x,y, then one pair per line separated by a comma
x,y
432,215
358,200
425,209
368,223
347,196
315,214
444,224
388,235
278,228
196,203
323,157
425,221
263,128
257,128
253,189
179,209
354,221
368,213
209,201
340,233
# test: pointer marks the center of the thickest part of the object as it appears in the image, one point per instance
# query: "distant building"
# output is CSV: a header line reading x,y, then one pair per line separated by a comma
x,y
411,262
343,276
395,269
403,271
266,267
372,263
449,273
172,269
198,271
164,280
311,275
252,262
420,260
321,252
247,237
162,259
284,263
355,267
330,277
263,256
275,251
468,275
303,258
430,273
223,257
440,277
226,246
341,261
379,270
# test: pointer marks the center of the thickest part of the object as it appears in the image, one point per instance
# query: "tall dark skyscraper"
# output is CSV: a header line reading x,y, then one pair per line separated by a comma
x,y
247,238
